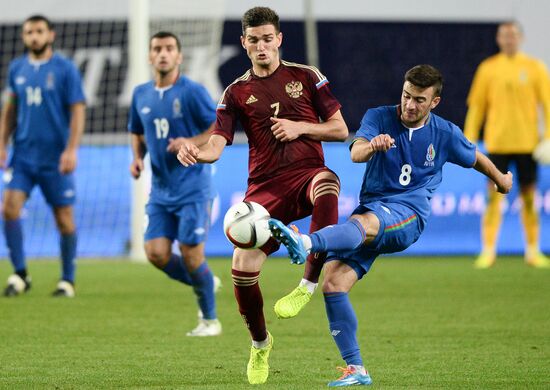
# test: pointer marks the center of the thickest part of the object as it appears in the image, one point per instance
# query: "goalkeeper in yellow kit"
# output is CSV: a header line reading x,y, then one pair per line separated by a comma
x,y
507,91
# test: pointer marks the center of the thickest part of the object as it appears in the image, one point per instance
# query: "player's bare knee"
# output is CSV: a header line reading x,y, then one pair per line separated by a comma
x,y
9,212
329,285
66,226
11,206
193,256
248,260
157,256
64,219
332,283
370,223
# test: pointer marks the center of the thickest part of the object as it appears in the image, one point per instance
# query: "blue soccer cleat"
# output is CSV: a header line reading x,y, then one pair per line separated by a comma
x,y
289,238
351,377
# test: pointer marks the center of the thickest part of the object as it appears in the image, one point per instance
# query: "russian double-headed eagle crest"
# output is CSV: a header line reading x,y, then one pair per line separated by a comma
x,y
294,89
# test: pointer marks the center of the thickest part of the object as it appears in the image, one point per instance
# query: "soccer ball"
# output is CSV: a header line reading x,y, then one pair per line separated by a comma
x,y
245,225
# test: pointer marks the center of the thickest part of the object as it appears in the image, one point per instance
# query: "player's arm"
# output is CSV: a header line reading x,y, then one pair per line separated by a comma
x,y
362,149
7,125
174,144
139,150
190,154
503,182
542,152
477,104
67,161
333,129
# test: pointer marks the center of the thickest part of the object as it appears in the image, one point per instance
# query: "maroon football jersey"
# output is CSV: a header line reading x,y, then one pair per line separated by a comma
x,y
295,92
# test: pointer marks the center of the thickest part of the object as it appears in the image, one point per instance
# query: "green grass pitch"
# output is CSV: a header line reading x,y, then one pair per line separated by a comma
x,y
423,323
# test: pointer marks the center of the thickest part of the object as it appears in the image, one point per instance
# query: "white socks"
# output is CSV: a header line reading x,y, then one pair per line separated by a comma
x,y
309,285
360,369
260,344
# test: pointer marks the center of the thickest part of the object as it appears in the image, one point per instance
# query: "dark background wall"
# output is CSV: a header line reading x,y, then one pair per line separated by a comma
x,y
365,61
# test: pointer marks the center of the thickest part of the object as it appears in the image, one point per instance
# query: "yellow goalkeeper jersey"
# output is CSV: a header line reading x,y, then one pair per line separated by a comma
x,y
507,92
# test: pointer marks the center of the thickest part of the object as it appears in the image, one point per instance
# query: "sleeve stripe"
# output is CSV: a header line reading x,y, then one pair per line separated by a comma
x,y
244,77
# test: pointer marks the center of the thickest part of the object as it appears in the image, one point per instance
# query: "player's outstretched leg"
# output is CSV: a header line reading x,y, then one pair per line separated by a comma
x,y
257,369
291,239
348,235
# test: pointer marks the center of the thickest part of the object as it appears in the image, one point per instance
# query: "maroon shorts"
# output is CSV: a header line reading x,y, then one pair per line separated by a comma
x,y
285,196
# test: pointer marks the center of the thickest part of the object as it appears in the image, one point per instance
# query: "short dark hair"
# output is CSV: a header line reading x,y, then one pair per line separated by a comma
x,y
425,76
511,23
165,34
39,18
260,16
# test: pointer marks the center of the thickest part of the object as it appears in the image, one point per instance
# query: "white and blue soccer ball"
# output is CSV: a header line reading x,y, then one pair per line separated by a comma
x,y
245,225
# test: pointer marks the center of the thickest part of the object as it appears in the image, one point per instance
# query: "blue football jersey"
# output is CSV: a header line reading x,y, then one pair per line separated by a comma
x,y
410,172
183,110
44,92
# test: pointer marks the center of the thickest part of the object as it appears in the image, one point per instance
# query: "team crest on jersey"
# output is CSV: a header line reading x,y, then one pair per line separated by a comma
x,y
176,108
523,76
294,89
430,156
50,81
20,80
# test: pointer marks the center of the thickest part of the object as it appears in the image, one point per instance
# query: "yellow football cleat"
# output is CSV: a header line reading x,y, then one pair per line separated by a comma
x,y
538,261
484,261
290,305
257,369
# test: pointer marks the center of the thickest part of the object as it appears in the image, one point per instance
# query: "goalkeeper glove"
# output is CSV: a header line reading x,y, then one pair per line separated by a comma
x,y
542,152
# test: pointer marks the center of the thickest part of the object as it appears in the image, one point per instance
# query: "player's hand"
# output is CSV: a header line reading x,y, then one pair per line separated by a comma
x,y
3,158
188,154
382,143
67,161
286,130
174,144
136,167
505,184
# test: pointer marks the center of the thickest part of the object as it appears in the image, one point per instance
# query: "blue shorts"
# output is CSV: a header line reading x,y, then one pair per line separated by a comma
x,y
400,227
58,189
188,223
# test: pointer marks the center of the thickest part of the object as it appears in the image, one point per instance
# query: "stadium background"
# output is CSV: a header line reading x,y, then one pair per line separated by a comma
x,y
364,48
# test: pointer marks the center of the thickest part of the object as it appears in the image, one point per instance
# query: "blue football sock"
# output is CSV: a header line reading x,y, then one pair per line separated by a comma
x,y
343,326
14,240
176,270
346,236
203,285
68,255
